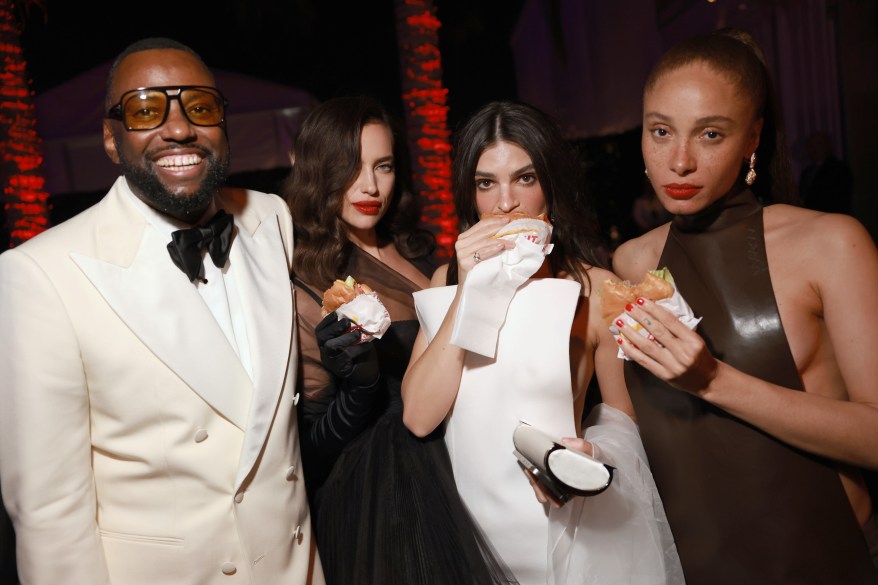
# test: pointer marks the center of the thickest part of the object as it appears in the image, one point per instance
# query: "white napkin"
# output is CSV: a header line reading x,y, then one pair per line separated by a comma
x,y
369,315
489,289
676,304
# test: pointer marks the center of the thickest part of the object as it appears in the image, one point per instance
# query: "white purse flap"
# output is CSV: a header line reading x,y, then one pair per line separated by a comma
x,y
574,470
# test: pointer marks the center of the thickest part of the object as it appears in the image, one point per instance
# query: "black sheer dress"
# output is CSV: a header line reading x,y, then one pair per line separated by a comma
x,y
384,503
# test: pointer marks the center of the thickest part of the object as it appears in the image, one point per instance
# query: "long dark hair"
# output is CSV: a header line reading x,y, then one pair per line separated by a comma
x,y
575,231
735,54
326,162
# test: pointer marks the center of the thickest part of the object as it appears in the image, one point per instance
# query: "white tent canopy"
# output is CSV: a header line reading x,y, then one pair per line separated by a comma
x,y
263,119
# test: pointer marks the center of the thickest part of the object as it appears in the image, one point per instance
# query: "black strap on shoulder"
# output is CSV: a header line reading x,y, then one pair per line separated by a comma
x,y
301,285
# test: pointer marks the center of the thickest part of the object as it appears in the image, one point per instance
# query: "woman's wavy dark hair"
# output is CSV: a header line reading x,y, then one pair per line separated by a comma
x,y
575,231
326,161
734,54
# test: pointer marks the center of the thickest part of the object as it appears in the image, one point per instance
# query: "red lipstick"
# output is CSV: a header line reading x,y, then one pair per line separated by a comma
x,y
367,207
681,190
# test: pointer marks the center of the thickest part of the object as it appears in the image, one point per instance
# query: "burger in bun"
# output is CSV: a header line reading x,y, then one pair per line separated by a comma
x,y
657,286
535,228
341,292
359,303
615,295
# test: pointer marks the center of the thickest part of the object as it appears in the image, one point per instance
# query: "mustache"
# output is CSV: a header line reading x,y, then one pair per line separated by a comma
x,y
170,150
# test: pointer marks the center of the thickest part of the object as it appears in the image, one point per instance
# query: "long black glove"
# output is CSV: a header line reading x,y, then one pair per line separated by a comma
x,y
343,356
332,423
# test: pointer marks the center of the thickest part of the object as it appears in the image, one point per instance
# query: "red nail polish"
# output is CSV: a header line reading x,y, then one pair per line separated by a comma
x,y
641,300
629,306
620,323
619,341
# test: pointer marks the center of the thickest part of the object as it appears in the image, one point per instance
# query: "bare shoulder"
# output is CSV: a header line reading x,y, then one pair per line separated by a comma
x,y
439,276
636,256
802,233
596,278
818,261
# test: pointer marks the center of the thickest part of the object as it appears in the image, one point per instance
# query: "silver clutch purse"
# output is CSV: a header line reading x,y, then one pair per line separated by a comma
x,y
563,472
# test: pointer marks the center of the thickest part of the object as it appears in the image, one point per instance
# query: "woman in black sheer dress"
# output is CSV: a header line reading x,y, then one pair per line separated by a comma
x,y
384,502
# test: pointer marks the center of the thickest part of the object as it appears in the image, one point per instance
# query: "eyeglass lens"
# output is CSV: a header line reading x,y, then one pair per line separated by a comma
x,y
147,109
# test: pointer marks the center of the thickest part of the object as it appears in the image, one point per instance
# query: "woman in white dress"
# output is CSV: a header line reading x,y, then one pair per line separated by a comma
x,y
511,158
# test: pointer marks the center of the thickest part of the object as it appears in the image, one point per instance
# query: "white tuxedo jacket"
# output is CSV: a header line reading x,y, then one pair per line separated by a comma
x,y
134,447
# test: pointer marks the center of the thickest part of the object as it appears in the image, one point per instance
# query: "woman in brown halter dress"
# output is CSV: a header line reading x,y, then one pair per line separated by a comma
x,y
758,424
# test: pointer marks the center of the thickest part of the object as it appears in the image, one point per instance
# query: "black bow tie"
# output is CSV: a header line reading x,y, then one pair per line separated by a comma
x,y
187,245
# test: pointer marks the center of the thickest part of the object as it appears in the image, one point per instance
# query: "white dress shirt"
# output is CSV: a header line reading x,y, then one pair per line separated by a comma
x,y
219,289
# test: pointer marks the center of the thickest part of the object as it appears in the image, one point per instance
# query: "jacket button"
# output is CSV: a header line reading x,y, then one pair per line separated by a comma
x,y
200,435
228,568
291,473
296,398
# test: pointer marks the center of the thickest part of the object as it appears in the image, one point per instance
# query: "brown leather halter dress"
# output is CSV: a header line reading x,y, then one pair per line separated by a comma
x,y
744,507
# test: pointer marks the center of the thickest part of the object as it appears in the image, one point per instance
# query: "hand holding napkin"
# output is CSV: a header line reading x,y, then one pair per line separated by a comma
x,y
489,288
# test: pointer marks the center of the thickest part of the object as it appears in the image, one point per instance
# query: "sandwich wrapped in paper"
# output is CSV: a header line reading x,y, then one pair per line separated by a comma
x,y
359,303
492,283
657,286
533,228
563,472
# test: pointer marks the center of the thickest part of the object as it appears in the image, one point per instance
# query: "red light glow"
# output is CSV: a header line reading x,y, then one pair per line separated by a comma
x,y
25,202
425,102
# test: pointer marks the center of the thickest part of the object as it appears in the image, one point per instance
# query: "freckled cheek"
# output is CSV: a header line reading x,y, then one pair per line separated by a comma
x,y
718,165
718,172
653,156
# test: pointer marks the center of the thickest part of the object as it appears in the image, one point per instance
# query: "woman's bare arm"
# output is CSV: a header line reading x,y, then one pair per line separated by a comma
x,y
839,423
432,380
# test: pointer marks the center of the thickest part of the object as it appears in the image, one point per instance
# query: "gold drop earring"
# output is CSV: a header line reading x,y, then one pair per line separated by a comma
x,y
751,174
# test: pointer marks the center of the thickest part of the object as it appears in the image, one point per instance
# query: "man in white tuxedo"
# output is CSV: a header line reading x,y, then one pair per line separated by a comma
x,y
148,426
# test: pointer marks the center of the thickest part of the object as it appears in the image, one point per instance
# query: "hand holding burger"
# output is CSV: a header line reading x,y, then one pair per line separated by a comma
x,y
342,353
657,286
534,228
353,315
358,303
615,295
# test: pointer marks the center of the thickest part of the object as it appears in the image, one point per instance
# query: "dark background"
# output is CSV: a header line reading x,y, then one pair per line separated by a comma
x,y
349,47
326,48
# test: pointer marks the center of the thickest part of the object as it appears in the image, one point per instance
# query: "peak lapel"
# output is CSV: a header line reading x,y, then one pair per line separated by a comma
x,y
262,277
162,308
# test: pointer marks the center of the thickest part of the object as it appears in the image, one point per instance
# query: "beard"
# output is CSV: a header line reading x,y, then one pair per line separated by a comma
x,y
144,180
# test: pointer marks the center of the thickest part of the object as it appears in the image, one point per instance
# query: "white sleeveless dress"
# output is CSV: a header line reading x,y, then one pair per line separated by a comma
x,y
530,380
